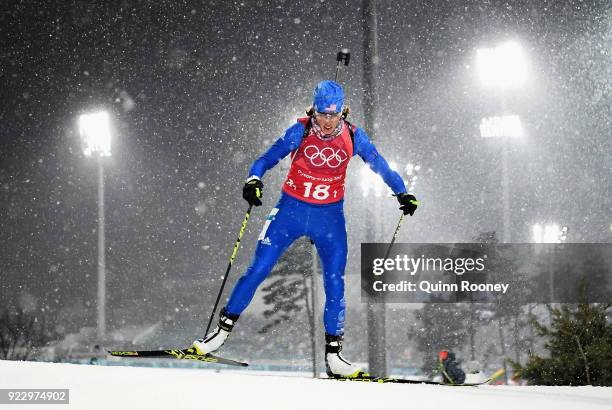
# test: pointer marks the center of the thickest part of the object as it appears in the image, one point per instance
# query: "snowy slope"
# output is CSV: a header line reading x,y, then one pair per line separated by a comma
x,y
115,387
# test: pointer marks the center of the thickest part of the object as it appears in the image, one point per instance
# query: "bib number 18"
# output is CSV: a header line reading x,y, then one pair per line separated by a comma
x,y
320,192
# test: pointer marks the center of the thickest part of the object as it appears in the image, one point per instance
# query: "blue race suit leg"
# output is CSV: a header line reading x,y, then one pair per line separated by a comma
x,y
327,229
284,225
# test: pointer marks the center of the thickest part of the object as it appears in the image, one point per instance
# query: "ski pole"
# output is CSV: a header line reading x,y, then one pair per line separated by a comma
x,y
229,266
413,175
399,224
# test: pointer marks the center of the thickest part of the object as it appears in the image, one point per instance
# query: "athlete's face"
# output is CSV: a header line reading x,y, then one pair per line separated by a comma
x,y
327,122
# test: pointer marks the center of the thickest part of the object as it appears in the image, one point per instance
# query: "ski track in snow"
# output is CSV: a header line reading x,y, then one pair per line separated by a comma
x,y
118,387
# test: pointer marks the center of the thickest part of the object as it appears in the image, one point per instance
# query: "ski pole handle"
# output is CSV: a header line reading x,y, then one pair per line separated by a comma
x,y
229,266
242,229
343,55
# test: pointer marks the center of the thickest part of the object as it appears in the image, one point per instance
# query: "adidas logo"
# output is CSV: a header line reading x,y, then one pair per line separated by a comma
x,y
266,241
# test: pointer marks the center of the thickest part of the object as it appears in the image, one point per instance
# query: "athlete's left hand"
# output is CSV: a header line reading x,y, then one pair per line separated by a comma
x,y
408,203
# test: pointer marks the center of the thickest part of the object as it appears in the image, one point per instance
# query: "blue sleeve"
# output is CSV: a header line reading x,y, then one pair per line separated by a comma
x,y
367,151
290,141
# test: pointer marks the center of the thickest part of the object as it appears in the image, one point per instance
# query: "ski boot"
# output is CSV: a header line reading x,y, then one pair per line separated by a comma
x,y
215,339
335,365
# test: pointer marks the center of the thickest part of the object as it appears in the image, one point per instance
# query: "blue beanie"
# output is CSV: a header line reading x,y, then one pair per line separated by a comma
x,y
328,97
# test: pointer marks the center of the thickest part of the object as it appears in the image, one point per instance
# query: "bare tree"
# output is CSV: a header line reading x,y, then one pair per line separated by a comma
x,y
22,333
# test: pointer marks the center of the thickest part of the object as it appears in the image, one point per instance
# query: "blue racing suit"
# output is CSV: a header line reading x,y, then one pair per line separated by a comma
x,y
324,224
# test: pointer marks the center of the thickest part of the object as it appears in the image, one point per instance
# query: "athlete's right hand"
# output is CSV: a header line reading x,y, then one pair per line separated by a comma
x,y
408,203
253,191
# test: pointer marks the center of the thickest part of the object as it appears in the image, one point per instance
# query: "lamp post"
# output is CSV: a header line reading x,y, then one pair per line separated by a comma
x,y
502,68
314,292
94,129
503,127
550,233
372,184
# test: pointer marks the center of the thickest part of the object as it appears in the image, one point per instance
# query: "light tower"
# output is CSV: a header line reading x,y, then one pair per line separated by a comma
x,y
94,129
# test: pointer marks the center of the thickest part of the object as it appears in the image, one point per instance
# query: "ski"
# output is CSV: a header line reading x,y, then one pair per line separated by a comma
x,y
184,354
374,379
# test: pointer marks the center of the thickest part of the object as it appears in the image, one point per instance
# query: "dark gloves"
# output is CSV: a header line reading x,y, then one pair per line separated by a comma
x,y
408,203
253,191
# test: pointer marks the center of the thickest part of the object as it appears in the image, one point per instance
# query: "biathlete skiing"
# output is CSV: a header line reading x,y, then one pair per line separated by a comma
x,y
311,204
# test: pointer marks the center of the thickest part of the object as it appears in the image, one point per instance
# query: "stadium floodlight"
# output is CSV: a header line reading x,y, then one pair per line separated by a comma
x,y
503,126
502,67
95,133
550,233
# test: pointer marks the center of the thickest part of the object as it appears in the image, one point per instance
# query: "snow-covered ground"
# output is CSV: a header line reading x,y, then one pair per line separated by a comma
x,y
117,387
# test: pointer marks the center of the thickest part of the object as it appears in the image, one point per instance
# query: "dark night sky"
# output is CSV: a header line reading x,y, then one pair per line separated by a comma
x,y
198,89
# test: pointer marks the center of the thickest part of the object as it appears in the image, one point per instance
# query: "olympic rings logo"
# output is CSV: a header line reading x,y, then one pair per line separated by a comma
x,y
326,156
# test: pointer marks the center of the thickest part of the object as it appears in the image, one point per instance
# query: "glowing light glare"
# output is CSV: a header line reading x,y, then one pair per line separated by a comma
x,y
537,233
563,234
95,132
412,170
502,67
504,126
370,181
550,233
